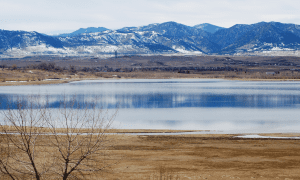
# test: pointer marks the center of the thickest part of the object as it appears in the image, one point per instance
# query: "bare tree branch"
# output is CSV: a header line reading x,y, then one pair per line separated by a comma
x,y
61,143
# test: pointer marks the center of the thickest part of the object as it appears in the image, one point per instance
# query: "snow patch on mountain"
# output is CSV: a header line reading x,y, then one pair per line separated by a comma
x,y
164,38
280,49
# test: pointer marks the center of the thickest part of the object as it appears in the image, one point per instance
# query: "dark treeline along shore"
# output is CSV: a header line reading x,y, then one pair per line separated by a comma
x,y
230,67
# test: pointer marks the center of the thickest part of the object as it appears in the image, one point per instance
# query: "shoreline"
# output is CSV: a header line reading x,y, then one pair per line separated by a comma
x,y
62,81
186,133
35,70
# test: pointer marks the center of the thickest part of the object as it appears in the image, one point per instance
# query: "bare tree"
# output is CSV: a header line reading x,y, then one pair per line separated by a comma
x,y
84,138
20,133
38,142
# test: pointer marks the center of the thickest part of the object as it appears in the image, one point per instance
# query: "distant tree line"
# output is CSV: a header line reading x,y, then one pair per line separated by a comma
x,y
74,69
54,68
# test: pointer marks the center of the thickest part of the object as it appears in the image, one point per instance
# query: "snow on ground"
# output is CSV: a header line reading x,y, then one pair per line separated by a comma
x,y
272,137
270,53
280,49
181,50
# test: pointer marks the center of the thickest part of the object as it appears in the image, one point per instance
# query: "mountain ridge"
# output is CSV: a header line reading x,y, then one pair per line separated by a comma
x,y
208,27
158,38
84,30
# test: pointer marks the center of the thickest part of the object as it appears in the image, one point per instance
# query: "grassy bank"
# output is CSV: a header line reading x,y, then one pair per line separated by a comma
x,y
202,156
36,77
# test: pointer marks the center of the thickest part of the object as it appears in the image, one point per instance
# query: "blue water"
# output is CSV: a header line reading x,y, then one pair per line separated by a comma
x,y
222,105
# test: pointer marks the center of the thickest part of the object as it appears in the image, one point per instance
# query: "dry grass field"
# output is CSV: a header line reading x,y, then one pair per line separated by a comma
x,y
206,157
188,157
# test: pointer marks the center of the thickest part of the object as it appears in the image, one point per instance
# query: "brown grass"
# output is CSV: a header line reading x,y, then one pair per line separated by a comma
x,y
35,77
208,157
11,129
198,157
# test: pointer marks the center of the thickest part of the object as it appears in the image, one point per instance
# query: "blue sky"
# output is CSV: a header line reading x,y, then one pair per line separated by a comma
x,y
59,16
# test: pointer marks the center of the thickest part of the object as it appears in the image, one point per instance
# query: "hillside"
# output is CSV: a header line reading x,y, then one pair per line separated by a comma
x,y
165,38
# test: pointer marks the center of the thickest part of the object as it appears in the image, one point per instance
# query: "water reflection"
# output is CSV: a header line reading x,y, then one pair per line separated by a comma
x,y
180,104
170,100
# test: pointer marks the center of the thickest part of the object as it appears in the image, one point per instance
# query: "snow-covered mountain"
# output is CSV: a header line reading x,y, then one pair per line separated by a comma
x,y
163,38
261,36
169,37
84,30
22,40
208,27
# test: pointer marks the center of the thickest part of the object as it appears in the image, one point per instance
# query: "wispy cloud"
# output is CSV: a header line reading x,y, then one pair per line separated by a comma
x,y
66,15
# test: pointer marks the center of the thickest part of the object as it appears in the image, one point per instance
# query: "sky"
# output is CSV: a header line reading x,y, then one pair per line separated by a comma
x,y
65,16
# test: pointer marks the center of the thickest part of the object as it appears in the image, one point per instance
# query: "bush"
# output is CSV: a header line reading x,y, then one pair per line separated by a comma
x,y
40,143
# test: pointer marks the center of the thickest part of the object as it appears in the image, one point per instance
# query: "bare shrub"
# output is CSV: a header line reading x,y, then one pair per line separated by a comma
x,y
72,69
38,142
14,67
3,66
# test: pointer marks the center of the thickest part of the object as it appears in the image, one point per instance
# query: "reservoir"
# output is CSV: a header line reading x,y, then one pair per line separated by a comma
x,y
224,106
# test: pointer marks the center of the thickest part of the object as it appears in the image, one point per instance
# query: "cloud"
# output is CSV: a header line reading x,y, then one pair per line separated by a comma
x,y
58,15
278,17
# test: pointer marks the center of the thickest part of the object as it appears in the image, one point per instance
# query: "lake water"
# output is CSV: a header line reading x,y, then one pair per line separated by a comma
x,y
220,105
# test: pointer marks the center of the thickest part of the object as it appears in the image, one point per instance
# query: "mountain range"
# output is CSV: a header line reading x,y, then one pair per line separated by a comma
x,y
159,38
84,30
208,27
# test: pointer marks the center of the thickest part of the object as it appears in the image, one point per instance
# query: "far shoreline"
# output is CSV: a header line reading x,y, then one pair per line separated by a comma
x,y
62,81
189,133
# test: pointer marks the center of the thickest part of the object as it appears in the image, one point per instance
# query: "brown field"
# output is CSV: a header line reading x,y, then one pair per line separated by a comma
x,y
202,156
206,157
